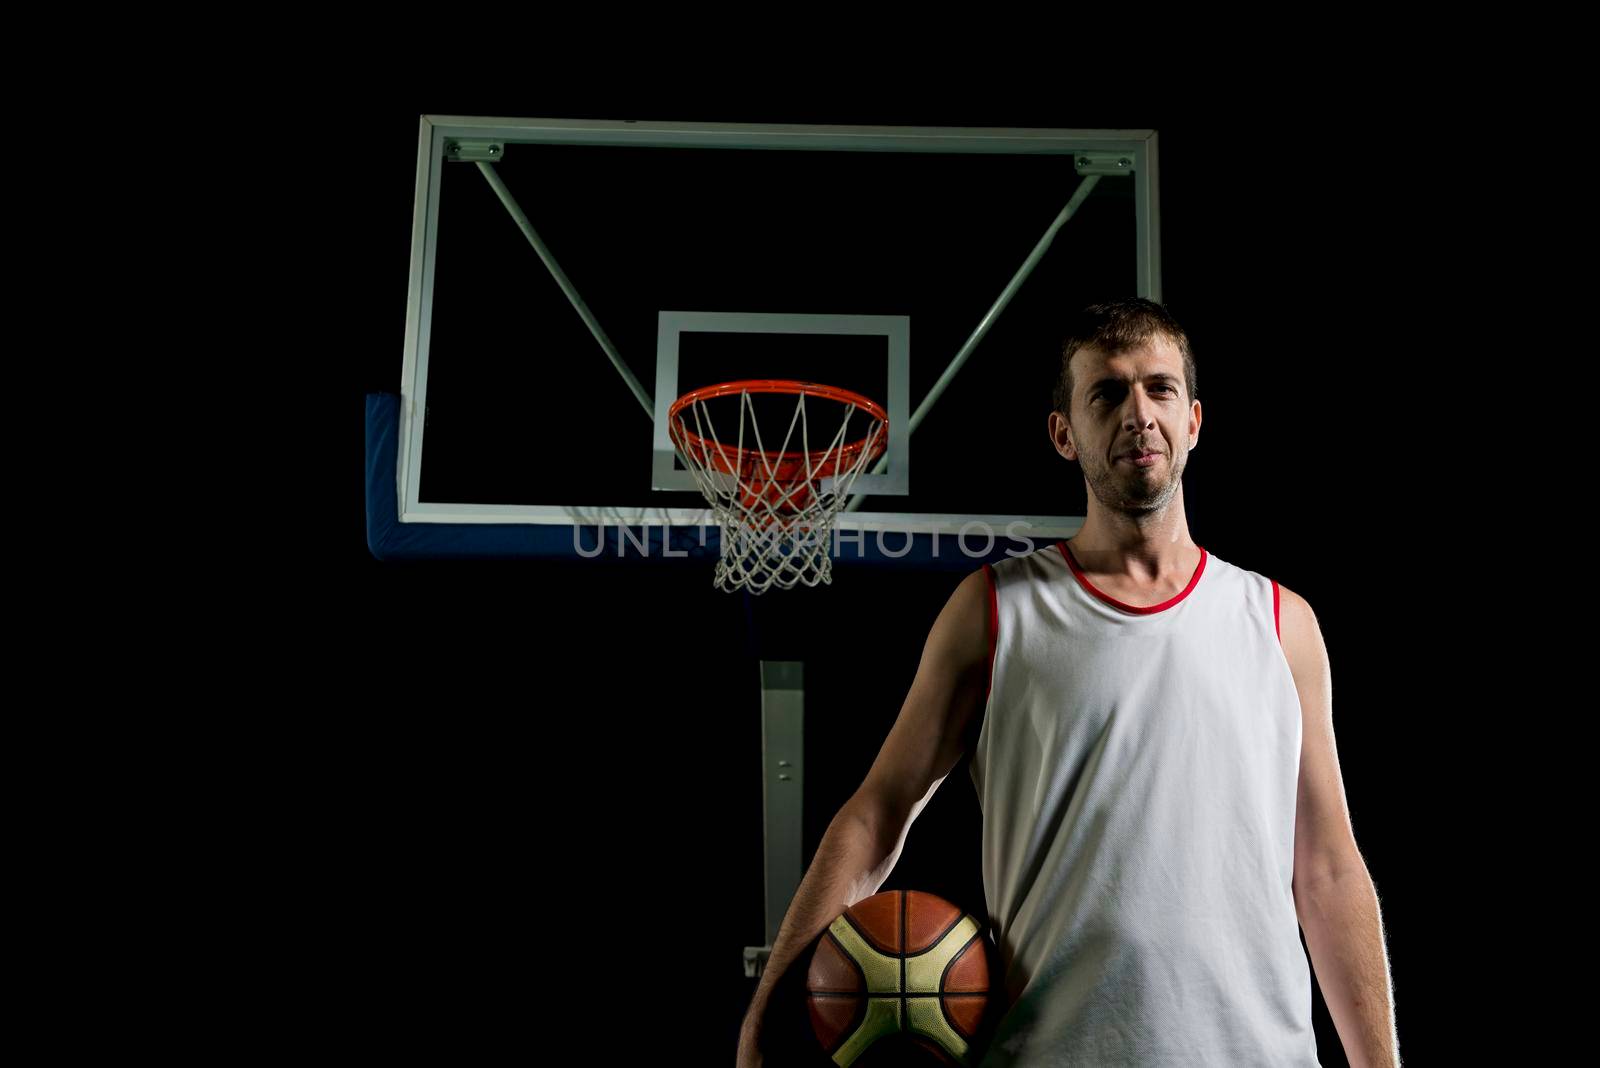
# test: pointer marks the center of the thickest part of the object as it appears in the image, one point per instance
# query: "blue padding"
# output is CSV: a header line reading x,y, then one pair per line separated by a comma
x,y
390,539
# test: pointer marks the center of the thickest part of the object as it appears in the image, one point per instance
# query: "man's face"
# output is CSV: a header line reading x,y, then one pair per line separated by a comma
x,y
1132,402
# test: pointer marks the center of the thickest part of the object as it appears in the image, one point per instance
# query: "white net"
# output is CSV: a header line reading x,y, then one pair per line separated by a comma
x,y
776,508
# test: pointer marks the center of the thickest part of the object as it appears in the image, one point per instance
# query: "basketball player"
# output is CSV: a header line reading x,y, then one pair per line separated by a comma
x,y
1152,743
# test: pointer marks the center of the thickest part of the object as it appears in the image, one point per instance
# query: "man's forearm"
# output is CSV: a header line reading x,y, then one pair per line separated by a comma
x,y
852,861
1344,933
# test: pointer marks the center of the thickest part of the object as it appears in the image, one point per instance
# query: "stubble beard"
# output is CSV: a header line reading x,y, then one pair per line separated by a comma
x,y
1128,490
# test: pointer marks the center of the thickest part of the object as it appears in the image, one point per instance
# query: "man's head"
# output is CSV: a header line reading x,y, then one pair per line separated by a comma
x,y
1125,387
1116,327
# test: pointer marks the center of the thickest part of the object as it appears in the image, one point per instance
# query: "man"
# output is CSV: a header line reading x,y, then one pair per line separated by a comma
x,y
1151,738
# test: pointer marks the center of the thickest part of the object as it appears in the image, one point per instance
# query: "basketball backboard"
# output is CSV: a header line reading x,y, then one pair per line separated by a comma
x,y
571,278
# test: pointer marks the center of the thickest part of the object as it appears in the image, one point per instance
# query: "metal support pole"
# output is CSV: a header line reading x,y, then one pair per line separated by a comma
x,y
782,794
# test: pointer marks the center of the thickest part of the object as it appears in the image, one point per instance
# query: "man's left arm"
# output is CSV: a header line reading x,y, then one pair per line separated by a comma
x,y
1333,892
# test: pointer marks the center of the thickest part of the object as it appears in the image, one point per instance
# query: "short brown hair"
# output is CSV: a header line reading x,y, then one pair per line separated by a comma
x,y
1116,327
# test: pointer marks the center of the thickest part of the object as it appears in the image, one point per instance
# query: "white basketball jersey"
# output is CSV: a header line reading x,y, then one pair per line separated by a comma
x,y
1137,770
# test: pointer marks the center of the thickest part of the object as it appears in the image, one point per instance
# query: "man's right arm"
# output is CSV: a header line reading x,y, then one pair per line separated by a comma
x,y
937,724
853,859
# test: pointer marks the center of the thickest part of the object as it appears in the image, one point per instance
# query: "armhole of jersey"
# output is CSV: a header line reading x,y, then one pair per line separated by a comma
x,y
994,620
1276,626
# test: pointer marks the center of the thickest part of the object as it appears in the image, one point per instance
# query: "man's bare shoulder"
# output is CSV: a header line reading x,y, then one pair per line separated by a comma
x,y
1301,636
962,629
1295,615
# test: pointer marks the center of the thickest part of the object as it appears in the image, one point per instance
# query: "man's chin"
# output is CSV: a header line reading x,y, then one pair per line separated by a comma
x,y
1146,502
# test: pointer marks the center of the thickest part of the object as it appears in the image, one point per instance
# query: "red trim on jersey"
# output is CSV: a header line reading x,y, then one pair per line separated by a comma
x,y
994,621
1141,609
1276,628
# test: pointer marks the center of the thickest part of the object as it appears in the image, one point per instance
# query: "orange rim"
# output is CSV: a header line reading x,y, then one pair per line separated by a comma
x,y
787,466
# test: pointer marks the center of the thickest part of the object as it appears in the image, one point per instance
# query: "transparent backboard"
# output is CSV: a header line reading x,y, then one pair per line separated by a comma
x,y
570,279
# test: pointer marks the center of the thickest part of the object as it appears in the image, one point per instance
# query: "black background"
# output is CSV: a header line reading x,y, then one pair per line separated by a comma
x,y
525,798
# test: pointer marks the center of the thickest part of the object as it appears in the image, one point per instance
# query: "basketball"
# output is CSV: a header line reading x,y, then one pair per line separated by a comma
x,y
905,975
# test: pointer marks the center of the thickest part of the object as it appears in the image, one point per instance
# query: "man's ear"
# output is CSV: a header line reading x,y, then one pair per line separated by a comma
x,y
1061,436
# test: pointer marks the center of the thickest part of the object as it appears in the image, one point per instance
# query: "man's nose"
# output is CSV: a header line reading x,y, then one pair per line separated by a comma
x,y
1139,412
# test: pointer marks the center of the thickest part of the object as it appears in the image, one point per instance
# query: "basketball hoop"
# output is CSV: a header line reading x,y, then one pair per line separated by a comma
x,y
776,508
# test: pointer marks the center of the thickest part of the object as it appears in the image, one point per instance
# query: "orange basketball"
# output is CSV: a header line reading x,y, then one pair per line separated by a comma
x,y
901,969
